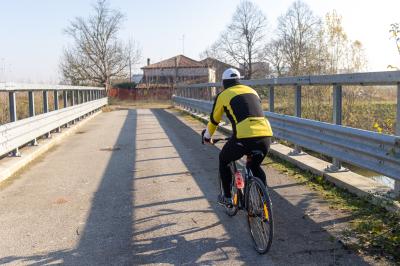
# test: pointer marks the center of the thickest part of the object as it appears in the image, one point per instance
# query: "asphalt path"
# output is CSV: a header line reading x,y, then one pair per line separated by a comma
x,y
135,186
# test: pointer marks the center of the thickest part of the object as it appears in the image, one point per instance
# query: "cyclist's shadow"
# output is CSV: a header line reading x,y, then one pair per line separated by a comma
x,y
297,240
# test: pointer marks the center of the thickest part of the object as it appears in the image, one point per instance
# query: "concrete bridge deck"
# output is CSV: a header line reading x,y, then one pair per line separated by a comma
x,y
137,187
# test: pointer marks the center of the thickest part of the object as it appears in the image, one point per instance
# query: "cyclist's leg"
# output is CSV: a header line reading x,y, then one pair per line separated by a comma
x,y
255,165
231,151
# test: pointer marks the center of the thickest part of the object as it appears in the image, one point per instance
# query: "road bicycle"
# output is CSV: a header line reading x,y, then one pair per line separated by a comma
x,y
251,195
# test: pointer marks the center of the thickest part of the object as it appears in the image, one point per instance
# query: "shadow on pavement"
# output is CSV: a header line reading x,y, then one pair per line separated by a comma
x,y
110,228
107,236
298,240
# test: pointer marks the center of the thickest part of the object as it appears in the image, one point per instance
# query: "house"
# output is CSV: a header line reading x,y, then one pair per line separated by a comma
x,y
178,69
137,78
218,66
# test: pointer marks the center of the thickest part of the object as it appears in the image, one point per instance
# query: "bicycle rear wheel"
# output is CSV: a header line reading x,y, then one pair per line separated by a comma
x,y
235,197
259,216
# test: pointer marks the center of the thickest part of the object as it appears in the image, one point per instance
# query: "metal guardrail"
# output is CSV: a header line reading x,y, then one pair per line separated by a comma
x,y
12,86
366,149
368,78
17,133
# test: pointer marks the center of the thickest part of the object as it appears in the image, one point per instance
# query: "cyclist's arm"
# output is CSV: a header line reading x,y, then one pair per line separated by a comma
x,y
215,116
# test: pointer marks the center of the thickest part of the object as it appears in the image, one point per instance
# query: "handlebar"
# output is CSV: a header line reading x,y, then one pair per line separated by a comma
x,y
213,140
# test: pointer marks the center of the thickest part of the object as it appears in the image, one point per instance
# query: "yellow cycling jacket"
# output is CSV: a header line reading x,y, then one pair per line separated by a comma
x,y
242,106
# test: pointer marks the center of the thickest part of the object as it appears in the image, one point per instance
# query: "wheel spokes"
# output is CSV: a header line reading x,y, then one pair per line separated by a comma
x,y
259,218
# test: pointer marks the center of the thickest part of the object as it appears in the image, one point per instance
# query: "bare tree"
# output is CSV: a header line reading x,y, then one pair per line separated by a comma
x,y
273,54
134,55
395,32
214,51
356,59
298,31
337,41
97,55
242,42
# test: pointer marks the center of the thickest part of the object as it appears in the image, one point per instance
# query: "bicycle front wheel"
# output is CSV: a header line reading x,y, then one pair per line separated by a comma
x,y
260,215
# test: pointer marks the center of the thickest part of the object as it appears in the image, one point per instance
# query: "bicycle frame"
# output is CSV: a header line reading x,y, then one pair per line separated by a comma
x,y
242,194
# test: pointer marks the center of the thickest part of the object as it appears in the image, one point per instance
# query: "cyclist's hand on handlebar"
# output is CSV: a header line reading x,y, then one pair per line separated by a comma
x,y
205,137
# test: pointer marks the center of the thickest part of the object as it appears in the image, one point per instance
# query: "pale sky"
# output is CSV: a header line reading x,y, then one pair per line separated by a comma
x,y
32,39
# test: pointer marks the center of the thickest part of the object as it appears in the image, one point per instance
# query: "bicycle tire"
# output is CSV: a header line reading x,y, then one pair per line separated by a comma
x,y
260,211
229,211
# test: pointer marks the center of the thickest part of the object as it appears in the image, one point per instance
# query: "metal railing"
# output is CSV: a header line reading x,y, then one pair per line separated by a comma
x,y
82,101
366,149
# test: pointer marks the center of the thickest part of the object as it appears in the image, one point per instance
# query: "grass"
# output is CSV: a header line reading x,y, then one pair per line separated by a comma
x,y
372,229
369,108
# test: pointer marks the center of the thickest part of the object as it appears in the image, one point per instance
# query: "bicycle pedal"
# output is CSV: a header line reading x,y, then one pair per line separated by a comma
x,y
224,201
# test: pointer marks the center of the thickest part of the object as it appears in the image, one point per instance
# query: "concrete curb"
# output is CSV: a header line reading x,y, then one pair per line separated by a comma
x,y
359,185
9,166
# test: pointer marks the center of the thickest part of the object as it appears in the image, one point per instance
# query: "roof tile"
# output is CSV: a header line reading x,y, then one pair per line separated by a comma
x,y
181,61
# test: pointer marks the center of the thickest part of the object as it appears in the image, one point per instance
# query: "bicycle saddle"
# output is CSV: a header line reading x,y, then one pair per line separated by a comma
x,y
256,155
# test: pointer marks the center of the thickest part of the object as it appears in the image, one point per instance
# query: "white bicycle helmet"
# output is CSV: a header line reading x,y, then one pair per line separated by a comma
x,y
231,73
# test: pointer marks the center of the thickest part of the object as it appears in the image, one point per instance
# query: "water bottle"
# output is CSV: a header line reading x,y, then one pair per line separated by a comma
x,y
239,180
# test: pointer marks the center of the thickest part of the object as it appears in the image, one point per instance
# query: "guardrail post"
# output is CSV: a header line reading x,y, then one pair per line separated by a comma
x,y
78,97
83,100
73,95
13,116
46,107
271,99
65,99
213,93
397,132
56,107
297,113
191,97
65,102
31,100
337,119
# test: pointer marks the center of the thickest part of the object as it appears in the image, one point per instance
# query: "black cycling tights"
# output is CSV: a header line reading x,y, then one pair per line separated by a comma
x,y
233,150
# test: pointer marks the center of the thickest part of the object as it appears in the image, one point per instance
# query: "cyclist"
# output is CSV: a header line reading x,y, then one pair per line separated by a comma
x,y
251,130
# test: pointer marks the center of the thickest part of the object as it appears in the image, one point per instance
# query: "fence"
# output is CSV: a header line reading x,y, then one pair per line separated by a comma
x,y
366,149
142,94
83,101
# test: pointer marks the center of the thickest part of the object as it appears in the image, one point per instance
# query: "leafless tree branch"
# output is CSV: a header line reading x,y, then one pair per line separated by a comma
x,y
97,55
